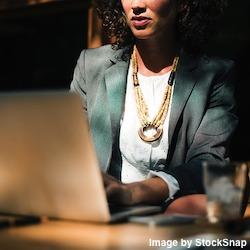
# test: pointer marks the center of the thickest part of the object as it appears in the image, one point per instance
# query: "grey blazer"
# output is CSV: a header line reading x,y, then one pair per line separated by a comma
x,y
202,118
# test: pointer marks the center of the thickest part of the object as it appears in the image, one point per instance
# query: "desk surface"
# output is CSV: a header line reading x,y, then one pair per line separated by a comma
x,y
72,235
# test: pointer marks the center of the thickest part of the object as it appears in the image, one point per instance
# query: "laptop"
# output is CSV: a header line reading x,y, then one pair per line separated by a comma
x,y
48,164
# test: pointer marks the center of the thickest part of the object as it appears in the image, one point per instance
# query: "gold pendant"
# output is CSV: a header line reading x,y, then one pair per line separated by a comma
x,y
154,137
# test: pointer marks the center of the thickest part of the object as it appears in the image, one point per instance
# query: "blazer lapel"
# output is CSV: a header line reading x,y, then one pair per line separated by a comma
x,y
100,126
184,83
107,110
116,81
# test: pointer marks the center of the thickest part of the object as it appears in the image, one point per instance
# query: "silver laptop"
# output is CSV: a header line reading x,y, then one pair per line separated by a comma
x,y
48,165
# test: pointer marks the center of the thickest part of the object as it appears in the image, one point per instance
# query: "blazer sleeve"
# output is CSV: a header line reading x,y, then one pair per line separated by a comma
x,y
212,138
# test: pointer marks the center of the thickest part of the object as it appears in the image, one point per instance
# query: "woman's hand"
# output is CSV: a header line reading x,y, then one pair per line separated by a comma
x,y
151,191
116,191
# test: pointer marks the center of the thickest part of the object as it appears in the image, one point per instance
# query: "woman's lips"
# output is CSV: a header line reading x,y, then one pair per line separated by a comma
x,y
140,21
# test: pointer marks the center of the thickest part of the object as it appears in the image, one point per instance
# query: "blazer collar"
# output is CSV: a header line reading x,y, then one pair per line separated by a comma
x,y
108,108
116,80
105,114
185,81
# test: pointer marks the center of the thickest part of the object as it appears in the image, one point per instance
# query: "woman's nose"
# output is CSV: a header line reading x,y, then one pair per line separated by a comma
x,y
138,6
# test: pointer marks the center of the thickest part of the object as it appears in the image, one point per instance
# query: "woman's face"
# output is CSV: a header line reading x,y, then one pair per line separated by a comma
x,y
149,18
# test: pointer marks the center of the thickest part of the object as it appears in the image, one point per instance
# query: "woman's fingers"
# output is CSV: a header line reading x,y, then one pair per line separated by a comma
x,y
116,192
108,179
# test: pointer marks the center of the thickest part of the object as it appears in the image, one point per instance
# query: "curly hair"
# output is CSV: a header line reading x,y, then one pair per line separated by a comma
x,y
195,24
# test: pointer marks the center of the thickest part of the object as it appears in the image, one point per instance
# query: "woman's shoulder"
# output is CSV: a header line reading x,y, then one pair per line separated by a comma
x,y
102,54
97,54
102,51
207,62
217,63
96,60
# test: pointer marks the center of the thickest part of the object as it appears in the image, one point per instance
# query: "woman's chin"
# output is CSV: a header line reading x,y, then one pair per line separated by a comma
x,y
142,35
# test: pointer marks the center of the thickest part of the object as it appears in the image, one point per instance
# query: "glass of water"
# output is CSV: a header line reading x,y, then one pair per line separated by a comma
x,y
224,186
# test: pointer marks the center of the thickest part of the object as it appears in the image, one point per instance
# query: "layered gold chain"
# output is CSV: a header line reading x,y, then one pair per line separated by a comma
x,y
142,109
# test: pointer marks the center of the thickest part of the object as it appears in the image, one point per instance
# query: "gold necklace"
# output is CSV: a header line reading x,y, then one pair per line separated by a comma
x,y
157,123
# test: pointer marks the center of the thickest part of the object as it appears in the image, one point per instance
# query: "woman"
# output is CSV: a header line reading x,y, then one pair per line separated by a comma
x,y
156,107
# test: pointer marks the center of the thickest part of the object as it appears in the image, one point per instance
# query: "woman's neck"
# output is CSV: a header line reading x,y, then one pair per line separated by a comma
x,y
155,58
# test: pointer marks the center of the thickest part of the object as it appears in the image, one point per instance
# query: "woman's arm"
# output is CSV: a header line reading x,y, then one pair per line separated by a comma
x,y
151,191
212,138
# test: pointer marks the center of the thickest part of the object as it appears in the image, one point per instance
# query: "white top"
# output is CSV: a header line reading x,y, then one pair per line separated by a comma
x,y
142,160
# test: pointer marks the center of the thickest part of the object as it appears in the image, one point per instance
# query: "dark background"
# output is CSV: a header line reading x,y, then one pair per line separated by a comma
x,y
232,41
39,46
40,43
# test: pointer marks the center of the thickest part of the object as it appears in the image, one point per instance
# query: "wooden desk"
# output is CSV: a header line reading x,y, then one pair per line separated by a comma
x,y
70,235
